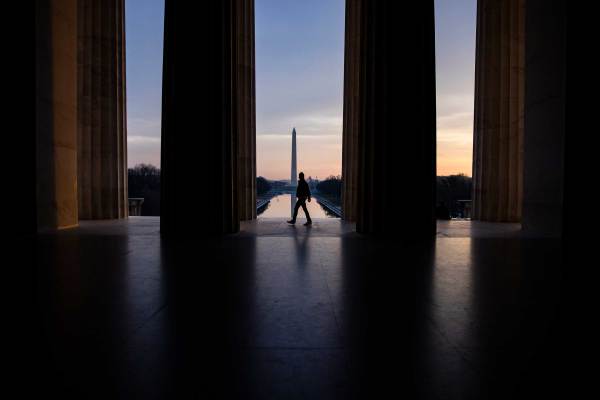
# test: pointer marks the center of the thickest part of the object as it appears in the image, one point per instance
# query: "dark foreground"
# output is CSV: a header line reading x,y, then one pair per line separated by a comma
x,y
296,314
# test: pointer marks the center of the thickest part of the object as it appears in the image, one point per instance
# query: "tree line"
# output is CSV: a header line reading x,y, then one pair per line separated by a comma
x,y
331,187
262,185
144,181
452,188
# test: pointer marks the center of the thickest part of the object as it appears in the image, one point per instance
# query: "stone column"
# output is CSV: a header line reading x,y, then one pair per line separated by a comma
x,y
199,137
102,144
396,113
56,114
245,90
498,117
545,117
351,122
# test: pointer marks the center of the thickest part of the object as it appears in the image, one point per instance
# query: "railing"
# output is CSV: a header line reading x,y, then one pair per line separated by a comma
x,y
135,206
337,210
466,206
261,204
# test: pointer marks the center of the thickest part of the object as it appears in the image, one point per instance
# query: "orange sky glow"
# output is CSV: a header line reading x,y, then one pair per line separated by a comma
x,y
299,83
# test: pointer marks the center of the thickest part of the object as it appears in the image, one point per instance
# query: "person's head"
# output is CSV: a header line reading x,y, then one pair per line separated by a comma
x,y
301,175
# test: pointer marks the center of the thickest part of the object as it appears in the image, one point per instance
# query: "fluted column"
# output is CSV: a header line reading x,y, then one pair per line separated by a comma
x,y
546,117
102,137
199,156
244,87
56,117
396,107
498,117
351,122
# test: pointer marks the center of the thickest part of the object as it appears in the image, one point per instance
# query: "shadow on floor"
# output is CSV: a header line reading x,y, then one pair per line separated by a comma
x,y
123,313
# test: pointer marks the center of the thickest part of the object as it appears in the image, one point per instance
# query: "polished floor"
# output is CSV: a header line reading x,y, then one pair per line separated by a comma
x,y
280,312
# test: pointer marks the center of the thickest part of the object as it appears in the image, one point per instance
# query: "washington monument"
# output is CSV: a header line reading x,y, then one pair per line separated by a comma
x,y
294,176
302,189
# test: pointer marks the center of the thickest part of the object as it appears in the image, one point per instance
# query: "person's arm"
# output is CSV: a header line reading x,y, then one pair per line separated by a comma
x,y
308,190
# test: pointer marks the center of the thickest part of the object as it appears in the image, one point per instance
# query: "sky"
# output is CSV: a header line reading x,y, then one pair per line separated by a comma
x,y
299,83
144,20
455,22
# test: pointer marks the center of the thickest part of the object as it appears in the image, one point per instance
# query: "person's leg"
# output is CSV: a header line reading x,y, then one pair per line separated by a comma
x,y
306,212
296,207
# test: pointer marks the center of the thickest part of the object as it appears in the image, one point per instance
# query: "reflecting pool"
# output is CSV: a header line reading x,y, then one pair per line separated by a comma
x,y
282,206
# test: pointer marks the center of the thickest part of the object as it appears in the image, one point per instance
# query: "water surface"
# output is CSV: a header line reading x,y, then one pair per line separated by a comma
x,y
282,206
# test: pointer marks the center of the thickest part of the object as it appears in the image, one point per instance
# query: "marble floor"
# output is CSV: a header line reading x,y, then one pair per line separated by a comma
x,y
280,312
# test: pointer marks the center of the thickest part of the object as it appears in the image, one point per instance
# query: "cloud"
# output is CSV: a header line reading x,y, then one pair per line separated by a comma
x,y
460,119
454,133
141,140
143,123
451,103
288,137
143,132
311,123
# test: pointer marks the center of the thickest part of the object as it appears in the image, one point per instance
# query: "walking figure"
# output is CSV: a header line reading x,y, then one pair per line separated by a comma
x,y
302,194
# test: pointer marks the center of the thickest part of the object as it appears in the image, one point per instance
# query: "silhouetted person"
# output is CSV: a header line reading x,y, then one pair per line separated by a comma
x,y
441,211
302,194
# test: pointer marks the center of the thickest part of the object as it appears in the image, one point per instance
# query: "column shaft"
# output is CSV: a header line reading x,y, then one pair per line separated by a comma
x,y
245,121
351,121
199,162
56,113
498,117
102,144
546,116
396,107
